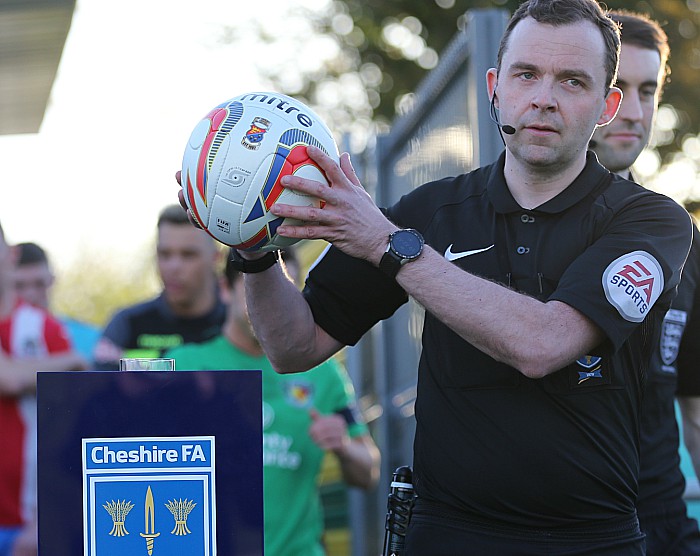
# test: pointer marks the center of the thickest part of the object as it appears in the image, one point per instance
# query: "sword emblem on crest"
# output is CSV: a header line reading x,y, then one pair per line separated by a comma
x,y
149,534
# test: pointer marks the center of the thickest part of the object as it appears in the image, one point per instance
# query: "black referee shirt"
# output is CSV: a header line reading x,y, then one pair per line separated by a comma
x,y
674,370
490,443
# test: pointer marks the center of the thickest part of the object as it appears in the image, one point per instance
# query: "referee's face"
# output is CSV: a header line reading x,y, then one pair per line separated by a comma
x,y
551,89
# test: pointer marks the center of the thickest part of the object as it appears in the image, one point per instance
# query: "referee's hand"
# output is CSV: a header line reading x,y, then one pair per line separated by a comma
x,y
183,203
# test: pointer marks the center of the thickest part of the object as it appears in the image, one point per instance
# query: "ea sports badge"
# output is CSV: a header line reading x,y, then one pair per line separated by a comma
x,y
632,284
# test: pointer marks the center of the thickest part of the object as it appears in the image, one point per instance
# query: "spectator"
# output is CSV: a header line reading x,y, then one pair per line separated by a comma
x,y
303,416
29,336
673,366
33,281
187,310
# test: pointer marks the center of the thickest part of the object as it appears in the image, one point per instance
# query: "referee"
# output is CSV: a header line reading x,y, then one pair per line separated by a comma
x,y
542,276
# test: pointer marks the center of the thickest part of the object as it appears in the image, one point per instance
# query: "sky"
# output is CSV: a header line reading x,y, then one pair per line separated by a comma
x,y
134,79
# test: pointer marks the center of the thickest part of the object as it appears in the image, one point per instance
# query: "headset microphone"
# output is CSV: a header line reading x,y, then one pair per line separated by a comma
x,y
507,129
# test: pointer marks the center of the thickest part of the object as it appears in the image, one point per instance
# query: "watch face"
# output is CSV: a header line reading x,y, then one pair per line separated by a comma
x,y
406,244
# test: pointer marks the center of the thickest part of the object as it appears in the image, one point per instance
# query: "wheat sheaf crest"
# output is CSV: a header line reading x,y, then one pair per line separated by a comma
x,y
180,510
118,510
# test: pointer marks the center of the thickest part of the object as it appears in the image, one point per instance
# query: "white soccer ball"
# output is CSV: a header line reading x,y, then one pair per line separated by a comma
x,y
235,158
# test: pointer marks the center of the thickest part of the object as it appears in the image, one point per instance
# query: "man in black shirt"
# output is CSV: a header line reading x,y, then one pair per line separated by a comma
x,y
542,277
187,310
673,367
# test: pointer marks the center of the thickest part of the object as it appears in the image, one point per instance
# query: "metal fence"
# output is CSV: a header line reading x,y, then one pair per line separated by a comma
x,y
447,132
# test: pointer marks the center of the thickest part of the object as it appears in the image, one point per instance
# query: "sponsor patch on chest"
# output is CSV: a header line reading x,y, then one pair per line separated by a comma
x,y
589,373
632,284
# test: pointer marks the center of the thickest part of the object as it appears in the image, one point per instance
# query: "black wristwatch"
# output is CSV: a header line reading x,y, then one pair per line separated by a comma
x,y
404,246
252,267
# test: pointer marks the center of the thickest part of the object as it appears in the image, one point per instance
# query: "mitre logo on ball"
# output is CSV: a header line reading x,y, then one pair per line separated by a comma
x,y
234,161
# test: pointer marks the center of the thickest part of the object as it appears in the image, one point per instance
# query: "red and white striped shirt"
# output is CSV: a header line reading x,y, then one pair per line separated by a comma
x,y
29,332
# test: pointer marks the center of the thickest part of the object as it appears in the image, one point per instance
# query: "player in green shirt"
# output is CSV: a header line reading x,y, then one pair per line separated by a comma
x,y
303,414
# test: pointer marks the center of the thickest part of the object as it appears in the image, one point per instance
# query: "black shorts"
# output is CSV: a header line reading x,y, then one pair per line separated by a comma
x,y
434,533
671,534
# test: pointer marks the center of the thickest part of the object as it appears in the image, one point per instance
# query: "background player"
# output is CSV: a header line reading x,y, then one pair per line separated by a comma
x,y
34,279
31,340
303,416
187,310
673,367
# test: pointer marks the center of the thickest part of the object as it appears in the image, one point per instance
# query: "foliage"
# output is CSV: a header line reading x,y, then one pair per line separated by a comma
x,y
94,286
382,49
357,62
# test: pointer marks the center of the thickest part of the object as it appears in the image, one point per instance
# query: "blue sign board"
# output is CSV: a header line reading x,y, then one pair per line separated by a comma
x,y
150,463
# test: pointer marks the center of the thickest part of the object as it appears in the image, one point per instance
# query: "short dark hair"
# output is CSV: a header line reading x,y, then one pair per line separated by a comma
x,y
288,255
173,214
30,253
564,12
638,29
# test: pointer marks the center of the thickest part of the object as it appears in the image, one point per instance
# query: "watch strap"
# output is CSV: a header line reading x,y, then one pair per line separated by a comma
x,y
253,267
390,264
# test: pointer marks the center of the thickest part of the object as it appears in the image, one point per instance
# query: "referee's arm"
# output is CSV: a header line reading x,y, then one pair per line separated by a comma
x,y
284,324
534,337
